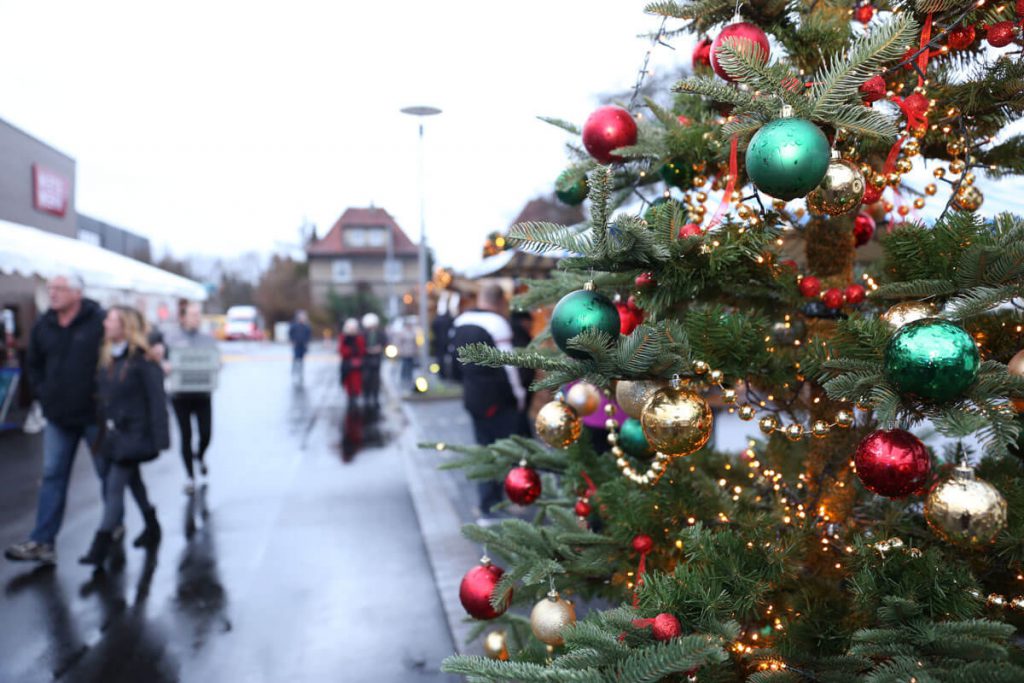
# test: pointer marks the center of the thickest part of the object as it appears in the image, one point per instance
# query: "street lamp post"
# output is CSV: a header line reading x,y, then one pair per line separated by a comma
x,y
421,112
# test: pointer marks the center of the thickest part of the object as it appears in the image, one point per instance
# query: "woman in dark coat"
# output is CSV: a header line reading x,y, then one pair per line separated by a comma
x,y
133,414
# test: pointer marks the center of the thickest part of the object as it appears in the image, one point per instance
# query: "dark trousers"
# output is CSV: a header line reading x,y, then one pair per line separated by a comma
x,y
371,379
502,424
185,406
116,478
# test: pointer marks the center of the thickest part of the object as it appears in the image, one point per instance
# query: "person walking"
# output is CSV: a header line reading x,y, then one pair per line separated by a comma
x,y
299,333
405,342
493,397
133,413
189,404
375,343
352,349
64,347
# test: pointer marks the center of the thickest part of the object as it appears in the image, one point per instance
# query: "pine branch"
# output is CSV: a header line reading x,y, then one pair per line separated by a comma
x,y
563,124
742,59
492,670
544,237
838,84
863,122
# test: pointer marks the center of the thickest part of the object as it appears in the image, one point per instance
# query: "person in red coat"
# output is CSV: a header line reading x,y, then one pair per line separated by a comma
x,y
352,348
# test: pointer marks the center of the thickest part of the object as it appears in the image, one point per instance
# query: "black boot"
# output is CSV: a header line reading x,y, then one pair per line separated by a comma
x,y
99,549
150,536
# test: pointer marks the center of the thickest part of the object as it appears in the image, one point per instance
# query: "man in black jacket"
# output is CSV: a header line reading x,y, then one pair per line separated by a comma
x,y
63,353
494,397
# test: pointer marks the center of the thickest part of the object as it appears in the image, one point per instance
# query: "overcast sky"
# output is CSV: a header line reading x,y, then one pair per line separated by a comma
x,y
216,127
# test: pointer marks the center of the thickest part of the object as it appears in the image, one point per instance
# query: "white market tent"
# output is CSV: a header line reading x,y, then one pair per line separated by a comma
x,y
30,252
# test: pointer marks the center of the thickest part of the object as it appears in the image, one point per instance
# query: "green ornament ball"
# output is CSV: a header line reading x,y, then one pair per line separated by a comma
x,y
580,311
677,174
787,158
633,441
932,359
571,193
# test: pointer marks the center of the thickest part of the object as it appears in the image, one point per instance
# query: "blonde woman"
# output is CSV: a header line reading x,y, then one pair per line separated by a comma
x,y
133,417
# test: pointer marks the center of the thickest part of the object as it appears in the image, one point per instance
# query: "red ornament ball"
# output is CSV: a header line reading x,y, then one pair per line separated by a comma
x,y
690,230
582,508
1001,34
645,280
961,38
741,30
863,229
666,627
873,89
632,305
871,194
643,544
1020,9
810,286
892,463
864,13
789,263
855,294
683,120
476,590
607,129
522,485
702,54
833,298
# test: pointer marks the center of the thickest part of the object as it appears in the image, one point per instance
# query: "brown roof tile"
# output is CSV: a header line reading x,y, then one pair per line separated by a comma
x,y
332,243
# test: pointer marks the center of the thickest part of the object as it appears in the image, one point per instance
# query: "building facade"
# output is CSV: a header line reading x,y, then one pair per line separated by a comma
x,y
365,250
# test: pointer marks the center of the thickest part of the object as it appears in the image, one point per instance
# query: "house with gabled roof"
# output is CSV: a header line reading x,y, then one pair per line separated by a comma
x,y
365,250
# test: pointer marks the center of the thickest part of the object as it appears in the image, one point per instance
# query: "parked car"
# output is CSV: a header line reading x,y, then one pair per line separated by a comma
x,y
244,322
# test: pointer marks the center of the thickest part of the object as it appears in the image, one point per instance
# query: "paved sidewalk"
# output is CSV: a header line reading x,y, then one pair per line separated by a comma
x,y
444,502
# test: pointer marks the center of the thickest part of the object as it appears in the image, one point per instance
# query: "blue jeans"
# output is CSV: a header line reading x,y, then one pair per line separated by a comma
x,y
59,447
116,478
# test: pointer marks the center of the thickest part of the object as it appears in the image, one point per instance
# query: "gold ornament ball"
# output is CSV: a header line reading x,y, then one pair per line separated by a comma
x,y
939,172
677,421
905,165
768,424
919,203
558,425
728,396
903,210
550,616
965,510
907,312
969,198
930,189
747,412
700,367
840,191
956,166
819,429
795,431
584,398
1016,367
632,395
844,418
716,376
495,646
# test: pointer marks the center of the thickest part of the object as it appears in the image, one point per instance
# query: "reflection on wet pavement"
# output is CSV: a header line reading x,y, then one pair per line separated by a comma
x,y
262,574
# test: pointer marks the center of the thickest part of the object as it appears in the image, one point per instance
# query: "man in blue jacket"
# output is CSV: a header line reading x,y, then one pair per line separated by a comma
x,y
63,354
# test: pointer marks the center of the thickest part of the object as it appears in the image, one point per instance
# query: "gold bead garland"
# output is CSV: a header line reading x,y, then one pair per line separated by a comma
x,y
657,467
992,599
770,423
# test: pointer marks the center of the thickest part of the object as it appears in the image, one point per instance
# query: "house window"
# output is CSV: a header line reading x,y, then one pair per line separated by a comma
x,y
341,270
360,237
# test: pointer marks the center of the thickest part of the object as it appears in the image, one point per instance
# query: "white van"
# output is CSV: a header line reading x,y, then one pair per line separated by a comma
x,y
244,322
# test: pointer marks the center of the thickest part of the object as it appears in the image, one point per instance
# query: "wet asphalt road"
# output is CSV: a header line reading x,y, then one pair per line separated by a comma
x,y
301,561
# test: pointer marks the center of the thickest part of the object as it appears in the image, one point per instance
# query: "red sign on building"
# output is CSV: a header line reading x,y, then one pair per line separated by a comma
x,y
50,190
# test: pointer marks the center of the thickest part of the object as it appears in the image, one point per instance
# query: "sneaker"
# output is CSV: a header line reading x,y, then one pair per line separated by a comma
x,y
202,468
30,551
118,533
190,487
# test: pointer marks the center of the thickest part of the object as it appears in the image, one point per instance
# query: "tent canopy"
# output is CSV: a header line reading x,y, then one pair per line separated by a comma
x,y
30,252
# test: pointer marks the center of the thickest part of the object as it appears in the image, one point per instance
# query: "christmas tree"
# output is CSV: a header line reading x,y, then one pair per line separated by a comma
x,y
836,545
